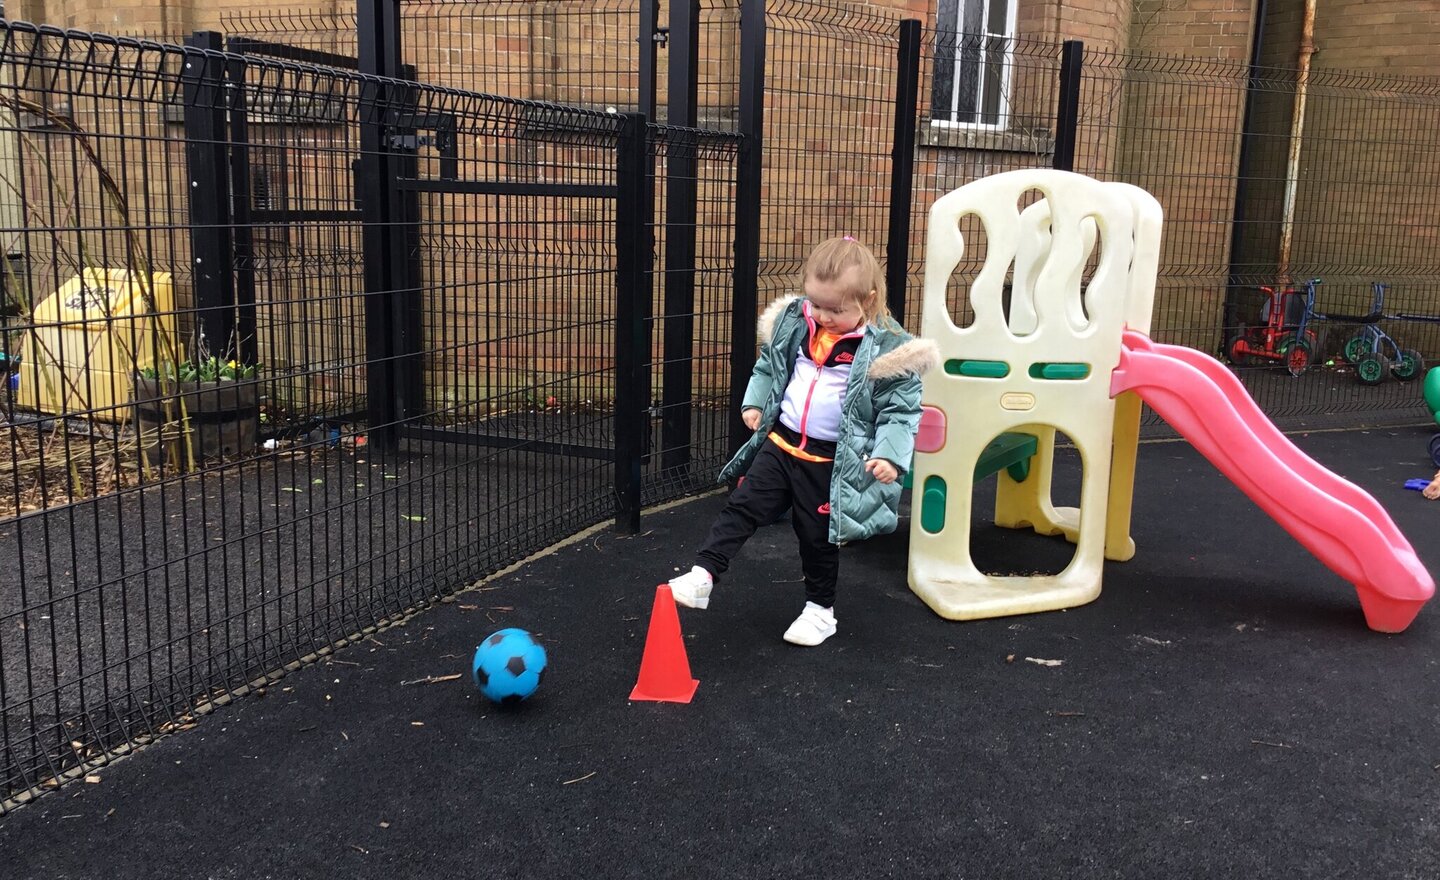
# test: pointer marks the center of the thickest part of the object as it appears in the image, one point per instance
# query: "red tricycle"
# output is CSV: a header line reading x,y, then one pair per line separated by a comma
x,y
1283,337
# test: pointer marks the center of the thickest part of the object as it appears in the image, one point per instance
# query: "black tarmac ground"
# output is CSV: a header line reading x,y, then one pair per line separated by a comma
x,y
1220,711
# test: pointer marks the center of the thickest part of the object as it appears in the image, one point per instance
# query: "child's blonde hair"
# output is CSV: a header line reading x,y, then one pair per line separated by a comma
x,y
831,259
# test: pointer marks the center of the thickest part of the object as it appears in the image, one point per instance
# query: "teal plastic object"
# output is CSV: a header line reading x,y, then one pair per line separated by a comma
x,y
1432,392
977,369
1012,451
1061,371
932,505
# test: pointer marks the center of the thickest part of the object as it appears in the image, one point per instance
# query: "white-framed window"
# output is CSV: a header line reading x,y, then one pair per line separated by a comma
x,y
974,45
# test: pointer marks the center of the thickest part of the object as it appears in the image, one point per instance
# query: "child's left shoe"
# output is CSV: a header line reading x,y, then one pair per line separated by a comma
x,y
814,625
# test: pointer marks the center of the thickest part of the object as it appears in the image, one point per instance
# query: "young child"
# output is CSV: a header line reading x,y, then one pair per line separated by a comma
x,y
1432,491
834,402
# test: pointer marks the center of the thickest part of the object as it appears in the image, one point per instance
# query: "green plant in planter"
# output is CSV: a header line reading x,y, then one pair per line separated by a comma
x,y
210,369
196,409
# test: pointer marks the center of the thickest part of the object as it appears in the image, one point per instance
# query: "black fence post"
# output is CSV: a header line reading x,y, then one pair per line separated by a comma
x,y
1067,115
650,39
405,254
378,53
632,317
680,194
242,238
1230,320
902,166
748,171
207,168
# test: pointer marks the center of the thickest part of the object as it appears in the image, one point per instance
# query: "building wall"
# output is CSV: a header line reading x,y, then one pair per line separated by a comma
x,y
1368,174
1179,137
1171,128
1382,36
1258,246
1370,167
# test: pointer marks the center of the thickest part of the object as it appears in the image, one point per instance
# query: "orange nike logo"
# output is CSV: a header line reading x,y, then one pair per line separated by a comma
x,y
824,509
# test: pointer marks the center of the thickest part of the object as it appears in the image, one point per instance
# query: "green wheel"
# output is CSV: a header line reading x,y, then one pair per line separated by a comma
x,y
1410,367
1356,347
1370,369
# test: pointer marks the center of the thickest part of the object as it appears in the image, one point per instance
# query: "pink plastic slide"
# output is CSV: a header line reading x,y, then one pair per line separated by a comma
x,y
1333,518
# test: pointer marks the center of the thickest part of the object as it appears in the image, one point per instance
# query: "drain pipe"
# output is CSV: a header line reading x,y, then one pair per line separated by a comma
x,y
1297,134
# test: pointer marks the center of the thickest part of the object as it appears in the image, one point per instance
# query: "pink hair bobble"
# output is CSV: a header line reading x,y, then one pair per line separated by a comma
x,y
849,238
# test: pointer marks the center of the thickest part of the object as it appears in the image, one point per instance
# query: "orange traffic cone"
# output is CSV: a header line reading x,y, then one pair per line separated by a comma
x,y
664,669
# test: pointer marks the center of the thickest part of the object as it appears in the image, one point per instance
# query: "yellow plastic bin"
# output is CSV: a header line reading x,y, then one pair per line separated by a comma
x,y
88,339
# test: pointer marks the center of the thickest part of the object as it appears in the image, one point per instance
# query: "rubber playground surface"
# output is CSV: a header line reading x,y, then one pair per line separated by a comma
x,y
1220,711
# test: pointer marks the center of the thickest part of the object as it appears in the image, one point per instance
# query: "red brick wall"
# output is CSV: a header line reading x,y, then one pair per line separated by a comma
x,y
1368,175
1179,138
1370,171
1174,132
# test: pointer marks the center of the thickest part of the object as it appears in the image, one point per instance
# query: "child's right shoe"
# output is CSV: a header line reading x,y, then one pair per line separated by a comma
x,y
814,625
692,589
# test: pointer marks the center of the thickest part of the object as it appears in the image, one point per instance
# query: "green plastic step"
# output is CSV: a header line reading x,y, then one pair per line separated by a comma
x,y
977,369
1061,371
1011,451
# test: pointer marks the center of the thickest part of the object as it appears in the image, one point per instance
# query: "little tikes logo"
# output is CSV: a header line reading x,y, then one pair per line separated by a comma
x,y
844,357
824,509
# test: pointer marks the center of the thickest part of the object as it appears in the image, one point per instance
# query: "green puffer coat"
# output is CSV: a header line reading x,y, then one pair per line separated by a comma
x,y
878,420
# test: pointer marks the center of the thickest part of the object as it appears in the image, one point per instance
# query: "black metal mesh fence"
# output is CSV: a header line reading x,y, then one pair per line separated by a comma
x,y
149,563
830,82
1360,192
295,230
184,513
313,29
171,538
1176,126
589,55
1148,120
581,54
691,345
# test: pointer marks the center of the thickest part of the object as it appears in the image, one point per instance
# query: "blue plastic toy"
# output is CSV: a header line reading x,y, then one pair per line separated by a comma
x,y
508,666
1416,485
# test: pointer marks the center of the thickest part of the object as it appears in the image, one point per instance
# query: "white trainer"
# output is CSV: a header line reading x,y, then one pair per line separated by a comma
x,y
692,589
814,625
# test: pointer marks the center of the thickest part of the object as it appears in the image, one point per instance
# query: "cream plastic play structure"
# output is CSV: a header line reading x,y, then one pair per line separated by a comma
x,y
1075,356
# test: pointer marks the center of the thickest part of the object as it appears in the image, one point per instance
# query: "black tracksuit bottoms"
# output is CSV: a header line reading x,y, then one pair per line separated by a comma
x,y
776,481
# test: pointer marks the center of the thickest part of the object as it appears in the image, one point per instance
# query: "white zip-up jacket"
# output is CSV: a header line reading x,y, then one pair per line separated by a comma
x,y
815,395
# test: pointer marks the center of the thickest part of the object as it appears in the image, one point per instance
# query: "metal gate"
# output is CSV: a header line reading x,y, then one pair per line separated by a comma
x,y
459,334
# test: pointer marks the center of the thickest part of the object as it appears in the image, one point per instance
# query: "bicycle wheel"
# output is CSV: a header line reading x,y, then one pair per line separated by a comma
x,y
1295,354
1356,347
1370,369
1410,367
1238,351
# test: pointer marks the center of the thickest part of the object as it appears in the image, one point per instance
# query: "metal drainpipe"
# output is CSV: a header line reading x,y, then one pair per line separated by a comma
x,y
1297,133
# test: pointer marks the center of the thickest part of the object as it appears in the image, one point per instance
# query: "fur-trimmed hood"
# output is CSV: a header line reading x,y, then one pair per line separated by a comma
x,y
766,325
917,356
